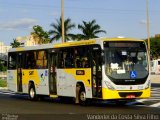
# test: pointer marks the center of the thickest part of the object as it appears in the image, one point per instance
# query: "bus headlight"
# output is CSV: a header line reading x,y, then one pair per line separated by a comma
x,y
109,86
148,85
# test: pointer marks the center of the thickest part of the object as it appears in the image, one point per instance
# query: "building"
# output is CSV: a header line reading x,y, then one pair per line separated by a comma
x,y
27,40
3,56
4,48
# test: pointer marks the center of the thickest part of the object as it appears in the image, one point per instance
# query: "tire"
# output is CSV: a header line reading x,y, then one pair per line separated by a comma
x,y
32,93
82,97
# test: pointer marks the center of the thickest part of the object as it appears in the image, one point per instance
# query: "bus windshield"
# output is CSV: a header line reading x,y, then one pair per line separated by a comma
x,y
126,60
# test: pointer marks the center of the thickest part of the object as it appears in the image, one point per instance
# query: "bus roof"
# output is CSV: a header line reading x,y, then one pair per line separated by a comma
x,y
74,43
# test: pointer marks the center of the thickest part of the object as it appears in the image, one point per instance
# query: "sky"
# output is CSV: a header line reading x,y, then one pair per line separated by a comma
x,y
117,17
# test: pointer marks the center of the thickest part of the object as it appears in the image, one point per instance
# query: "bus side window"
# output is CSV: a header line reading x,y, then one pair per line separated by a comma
x,y
41,61
60,60
65,58
82,57
12,61
69,58
31,60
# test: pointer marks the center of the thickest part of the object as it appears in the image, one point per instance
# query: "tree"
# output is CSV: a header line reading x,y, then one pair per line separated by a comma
x,y
89,30
40,35
56,33
155,47
15,43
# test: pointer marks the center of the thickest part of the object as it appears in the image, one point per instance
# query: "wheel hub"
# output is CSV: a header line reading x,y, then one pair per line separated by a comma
x,y
83,96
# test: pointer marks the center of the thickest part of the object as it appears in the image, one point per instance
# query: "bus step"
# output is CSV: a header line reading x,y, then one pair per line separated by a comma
x,y
54,96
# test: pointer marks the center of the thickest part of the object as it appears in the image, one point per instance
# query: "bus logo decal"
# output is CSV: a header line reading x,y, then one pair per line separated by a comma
x,y
46,73
31,72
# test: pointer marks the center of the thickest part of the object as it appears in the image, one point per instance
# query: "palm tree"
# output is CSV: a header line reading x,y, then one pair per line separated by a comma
x,y
89,30
15,43
57,30
40,35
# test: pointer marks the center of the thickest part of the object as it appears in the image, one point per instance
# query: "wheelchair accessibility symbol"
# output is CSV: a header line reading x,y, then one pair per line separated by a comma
x,y
133,74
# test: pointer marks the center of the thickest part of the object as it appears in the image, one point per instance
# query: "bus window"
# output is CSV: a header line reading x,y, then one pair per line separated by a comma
x,y
12,61
31,60
41,61
81,55
66,58
60,60
69,59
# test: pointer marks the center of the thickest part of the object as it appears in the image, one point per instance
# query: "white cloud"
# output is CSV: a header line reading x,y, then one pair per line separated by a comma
x,y
24,23
144,22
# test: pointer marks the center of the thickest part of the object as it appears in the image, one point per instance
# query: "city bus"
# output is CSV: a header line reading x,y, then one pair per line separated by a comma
x,y
102,69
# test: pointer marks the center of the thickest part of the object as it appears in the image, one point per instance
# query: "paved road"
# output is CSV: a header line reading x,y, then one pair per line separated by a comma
x,y
19,107
13,106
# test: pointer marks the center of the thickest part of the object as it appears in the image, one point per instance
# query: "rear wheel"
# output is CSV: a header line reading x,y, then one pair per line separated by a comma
x,y
82,97
32,92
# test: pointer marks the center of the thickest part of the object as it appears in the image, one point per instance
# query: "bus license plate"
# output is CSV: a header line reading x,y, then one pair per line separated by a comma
x,y
130,96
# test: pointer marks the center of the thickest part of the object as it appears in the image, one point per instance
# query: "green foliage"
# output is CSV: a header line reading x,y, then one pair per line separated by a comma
x,y
40,34
15,44
155,47
89,30
3,66
56,33
3,83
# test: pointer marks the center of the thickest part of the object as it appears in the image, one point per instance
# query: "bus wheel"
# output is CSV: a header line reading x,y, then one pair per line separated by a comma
x,y
32,93
82,97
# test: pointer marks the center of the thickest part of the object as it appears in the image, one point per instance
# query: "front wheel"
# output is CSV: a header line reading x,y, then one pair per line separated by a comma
x,y
32,93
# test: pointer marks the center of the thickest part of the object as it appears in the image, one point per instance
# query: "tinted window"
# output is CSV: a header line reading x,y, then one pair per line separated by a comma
x,y
12,58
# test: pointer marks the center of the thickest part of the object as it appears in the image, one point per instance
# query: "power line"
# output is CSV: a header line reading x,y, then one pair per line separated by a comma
x,y
38,6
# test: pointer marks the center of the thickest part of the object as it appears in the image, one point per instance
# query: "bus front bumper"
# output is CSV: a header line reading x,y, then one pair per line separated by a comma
x,y
127,94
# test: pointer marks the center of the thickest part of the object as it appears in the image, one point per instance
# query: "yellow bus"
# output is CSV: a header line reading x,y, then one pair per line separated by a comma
x,y
102,69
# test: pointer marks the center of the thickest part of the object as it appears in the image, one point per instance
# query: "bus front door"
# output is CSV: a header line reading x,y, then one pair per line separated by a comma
x,y
19,72
52,74
96,72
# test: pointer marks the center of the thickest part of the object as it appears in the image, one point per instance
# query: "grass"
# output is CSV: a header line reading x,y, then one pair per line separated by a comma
x,y
3,83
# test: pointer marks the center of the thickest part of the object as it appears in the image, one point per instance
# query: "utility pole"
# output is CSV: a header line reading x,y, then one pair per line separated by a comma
x,y
62,16
148,25
148,31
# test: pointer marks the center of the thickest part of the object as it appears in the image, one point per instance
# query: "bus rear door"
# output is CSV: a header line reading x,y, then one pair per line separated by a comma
x,y
52,73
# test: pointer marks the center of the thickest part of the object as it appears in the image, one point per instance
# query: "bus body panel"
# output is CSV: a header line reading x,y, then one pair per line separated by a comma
x,y
68,78
12,80
39,78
